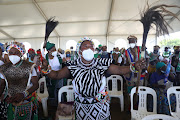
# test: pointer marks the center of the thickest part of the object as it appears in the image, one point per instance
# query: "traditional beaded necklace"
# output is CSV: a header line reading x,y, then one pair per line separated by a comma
x,y
19,64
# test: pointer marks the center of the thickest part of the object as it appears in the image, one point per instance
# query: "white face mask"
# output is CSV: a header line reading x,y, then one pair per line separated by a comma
x,y
88,54
54,53
14,59
117,52
132,45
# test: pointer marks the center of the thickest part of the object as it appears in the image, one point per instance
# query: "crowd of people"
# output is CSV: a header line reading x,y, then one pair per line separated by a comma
x,y
86,66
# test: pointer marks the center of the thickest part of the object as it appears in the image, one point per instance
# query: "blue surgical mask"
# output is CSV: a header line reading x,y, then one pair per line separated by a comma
x,y
68,55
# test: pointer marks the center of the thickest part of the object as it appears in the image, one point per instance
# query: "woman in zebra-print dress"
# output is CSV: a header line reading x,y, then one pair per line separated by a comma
x,y
88,73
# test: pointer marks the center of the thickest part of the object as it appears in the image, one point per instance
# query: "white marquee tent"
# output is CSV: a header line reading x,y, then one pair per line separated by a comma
x,y
103,20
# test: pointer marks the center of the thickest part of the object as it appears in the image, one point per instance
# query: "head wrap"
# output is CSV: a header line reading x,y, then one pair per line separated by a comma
x,y
17,45
68,51
132,37
49,45
2,47
99,45
38,51
31,49
81,41
160,65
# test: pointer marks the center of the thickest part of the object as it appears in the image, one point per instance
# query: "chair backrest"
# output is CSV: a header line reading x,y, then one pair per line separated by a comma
x,y
115,79
42,91
69,81
158,116
69,91
142,105
174,90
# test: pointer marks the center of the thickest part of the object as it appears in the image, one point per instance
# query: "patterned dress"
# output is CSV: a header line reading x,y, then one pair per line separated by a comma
x,y
17,78
87,83
162,101
131,78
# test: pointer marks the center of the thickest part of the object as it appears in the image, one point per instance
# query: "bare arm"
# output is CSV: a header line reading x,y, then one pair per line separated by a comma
x,y
34,81
2,86
122,70
118,70
63,73
57,75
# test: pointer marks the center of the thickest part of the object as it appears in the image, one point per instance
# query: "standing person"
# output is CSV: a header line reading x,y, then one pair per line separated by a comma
x,y
62,54
33,58
166,52
176,64
73,54
31,55
68,55
97,55
19,82
2,59
91,98
132,54
55,61
116,55
121,59
104,53
2,103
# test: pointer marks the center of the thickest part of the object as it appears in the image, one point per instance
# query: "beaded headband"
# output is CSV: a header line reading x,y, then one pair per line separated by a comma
x,y
81,41
17,45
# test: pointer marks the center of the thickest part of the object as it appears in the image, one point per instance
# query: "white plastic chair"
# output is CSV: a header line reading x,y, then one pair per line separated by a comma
x,y
43,96
174,90
158,116
142,106
114,92
70,97
69,81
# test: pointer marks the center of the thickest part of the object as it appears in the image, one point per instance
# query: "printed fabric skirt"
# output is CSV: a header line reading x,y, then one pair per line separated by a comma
x,y
28,110
3,110
91,109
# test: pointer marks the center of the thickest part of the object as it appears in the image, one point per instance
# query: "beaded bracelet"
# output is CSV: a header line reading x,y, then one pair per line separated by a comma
x,y
132,68
25,93
47,71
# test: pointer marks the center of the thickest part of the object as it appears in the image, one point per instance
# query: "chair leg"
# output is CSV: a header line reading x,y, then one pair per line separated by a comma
x,y
122,102
44,106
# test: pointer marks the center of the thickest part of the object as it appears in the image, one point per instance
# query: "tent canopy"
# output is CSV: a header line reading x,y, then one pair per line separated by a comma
x,y
25,19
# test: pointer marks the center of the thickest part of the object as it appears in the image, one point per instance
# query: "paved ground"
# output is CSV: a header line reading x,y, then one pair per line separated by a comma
x,y
116,113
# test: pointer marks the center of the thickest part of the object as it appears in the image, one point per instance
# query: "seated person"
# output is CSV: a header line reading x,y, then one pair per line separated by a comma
x,y
160,85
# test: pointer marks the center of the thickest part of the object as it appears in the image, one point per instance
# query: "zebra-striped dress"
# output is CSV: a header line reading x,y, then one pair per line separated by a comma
x,y
87,83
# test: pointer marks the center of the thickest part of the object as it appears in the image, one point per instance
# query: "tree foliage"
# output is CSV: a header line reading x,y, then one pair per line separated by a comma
x,y
170,42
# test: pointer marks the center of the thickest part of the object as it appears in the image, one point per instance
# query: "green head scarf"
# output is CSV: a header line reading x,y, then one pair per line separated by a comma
x,y
160,65
49,45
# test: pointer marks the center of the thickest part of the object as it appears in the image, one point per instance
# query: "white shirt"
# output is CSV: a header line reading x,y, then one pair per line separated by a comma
x,y
62,55
120,58
54,63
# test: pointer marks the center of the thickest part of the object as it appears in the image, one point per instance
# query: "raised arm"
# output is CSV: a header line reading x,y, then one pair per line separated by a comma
x,y
118,70
57,75
63,73
122,70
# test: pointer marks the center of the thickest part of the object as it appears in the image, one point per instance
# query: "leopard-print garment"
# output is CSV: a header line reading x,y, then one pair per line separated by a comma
x,y
17,77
